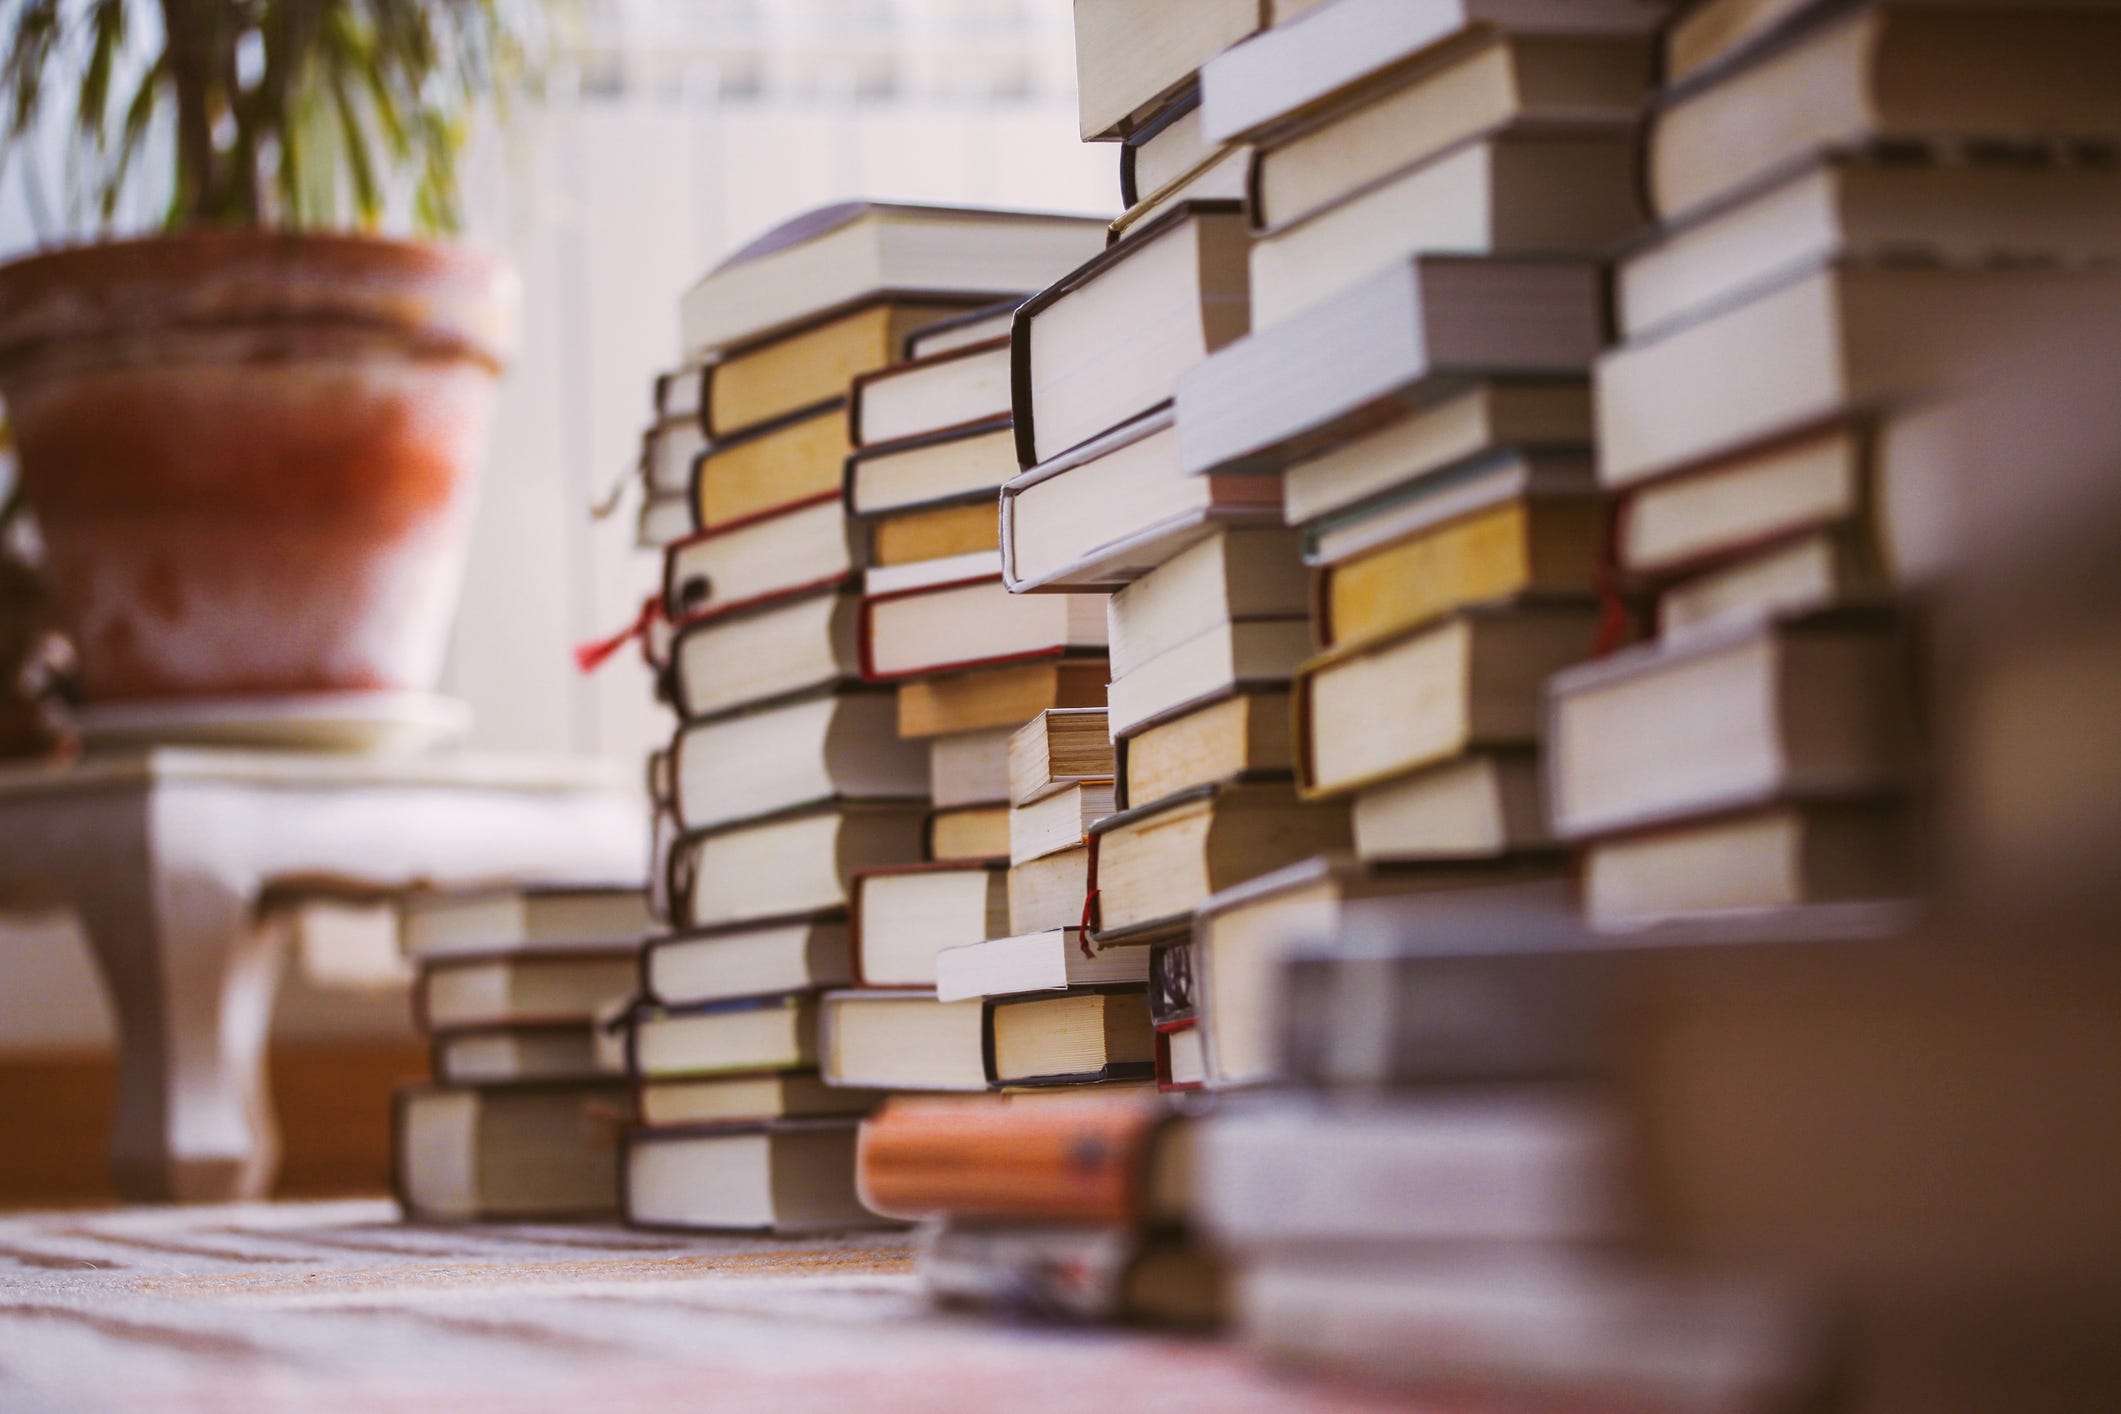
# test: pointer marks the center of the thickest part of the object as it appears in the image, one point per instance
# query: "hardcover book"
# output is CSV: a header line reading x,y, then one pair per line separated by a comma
x,y
1088,1159
785,1176
516,1153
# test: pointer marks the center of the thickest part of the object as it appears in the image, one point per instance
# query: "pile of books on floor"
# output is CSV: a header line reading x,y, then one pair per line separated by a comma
x,y
935,438
1321,419
514,989
1763,424
1344,491
1432,191
1855,204
799,765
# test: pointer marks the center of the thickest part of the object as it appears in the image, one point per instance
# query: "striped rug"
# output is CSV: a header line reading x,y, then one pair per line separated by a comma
x,y
327,1306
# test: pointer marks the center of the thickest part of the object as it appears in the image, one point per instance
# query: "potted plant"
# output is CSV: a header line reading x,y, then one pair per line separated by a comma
x,y
251,439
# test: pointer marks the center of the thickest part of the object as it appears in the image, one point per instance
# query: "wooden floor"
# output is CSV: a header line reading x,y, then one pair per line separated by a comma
x,y
325,1306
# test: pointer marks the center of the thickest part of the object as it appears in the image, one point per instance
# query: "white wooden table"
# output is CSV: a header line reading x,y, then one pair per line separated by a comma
x,y
174,859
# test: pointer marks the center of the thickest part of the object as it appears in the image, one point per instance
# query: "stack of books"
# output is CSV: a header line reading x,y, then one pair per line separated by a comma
x,y
514,988
964,663
1431,190
1058,1013
1855,202
788,775
1208,619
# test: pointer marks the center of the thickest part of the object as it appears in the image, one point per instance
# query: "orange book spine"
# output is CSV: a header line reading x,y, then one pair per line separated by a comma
x,y
1074,1161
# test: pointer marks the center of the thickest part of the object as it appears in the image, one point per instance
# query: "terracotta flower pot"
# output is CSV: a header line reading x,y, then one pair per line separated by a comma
x,y
253,455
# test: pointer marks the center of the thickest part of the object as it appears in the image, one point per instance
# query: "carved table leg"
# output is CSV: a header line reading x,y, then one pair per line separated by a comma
x,y
192,976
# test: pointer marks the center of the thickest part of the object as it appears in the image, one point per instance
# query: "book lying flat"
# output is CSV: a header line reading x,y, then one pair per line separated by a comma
x,y
956,626
512,1153
1483,417
1878,72
838,256
805,547
769,957
781,648
970,768
745,1099
1106,512
1082,1158
1058,748
957,389
794,863
1728,718
808,368
1370,712
784,1176
1396,340
723,1038
1109,341
1242,736
1512,193
787,463
1049,892
1527,1164
1846,338
962,330
903,917
549,987
1234,574
516,1055
1070,1038
949,469
998,697
1157,863
1779,857
1052,960
1244,932
838,746
1130,59
521,918
1484,804
901,1040
1292,70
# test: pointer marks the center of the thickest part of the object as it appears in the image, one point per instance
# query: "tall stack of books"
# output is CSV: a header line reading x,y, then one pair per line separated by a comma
x,y
1855,201
1432,189
1208,620
528,1096
1595,1143
933,440
787,774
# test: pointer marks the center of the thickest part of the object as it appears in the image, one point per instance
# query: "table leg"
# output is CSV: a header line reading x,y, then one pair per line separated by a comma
x,y
192,976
